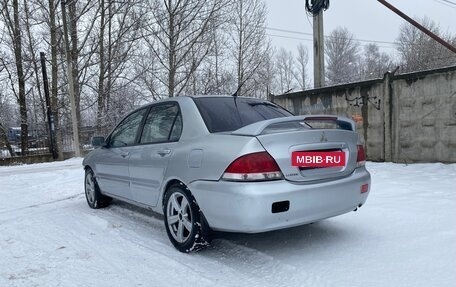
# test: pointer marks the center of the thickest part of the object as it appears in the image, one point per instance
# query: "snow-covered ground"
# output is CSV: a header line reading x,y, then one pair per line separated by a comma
x,y
404,236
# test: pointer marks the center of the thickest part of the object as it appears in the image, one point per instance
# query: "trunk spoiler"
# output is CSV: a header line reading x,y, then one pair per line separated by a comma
x,y
257,128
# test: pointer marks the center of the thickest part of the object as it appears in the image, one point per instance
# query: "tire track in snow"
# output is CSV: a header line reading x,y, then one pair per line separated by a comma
x,y
262,269
30,208
29,169
150,244
230,259
203,263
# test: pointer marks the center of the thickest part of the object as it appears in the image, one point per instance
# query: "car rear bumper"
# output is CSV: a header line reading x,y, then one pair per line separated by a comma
x,y
247,207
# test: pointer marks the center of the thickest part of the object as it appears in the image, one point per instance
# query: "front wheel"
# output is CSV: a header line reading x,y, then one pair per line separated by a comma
x,y
92,192
185,225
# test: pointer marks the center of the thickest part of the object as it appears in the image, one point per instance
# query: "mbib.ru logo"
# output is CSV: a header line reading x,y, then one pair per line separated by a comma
x,y
318,159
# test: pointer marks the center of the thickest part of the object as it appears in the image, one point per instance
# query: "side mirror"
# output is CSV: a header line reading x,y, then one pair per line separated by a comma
x,y
98,141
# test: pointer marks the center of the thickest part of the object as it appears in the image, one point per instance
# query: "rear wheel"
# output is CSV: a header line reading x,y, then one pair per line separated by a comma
x,y
92,192
185,225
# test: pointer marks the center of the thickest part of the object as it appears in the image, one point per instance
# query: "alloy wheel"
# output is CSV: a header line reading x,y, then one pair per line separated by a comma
x,y
179,217
90,187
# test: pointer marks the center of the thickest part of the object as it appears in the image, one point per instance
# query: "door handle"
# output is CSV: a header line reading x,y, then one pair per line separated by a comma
x,y
124,154
164,152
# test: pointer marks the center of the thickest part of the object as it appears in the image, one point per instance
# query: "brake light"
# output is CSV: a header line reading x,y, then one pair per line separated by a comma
x,y
253,167
361,158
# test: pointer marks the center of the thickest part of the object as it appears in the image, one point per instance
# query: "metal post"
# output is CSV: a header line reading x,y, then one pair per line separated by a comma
x,y
319,51
419,26
77,151
50,115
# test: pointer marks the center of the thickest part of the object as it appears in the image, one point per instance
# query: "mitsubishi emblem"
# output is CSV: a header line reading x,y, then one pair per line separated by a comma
x,y
323,137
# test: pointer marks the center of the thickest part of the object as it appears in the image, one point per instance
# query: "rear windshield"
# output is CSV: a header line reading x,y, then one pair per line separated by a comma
x,y
223,114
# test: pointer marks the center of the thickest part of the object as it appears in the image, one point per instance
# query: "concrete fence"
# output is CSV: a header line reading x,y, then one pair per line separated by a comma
x,y
401,118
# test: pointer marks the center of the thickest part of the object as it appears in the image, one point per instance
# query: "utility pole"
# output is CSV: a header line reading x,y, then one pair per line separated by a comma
x,y
319,50
315,8
74,119
419,26
50,115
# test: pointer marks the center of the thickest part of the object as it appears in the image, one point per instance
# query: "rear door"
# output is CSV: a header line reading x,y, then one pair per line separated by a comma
x,y
149,160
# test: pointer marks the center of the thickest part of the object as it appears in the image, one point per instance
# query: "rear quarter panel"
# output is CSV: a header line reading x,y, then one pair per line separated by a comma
x,y
216,152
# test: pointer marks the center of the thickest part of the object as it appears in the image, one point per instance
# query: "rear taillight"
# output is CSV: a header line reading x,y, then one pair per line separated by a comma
x,y
253,167
361,158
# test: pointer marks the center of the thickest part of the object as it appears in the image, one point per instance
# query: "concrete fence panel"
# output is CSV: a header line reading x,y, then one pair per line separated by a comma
x,y
403,118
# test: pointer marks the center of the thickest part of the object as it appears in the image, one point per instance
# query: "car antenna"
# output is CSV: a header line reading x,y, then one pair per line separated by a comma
x,y
243,82
237,91
239,88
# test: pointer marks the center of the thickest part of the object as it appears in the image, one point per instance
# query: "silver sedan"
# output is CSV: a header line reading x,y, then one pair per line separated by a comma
x,y
229,164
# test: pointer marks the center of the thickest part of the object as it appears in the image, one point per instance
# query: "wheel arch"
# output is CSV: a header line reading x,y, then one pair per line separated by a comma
x,y
169,183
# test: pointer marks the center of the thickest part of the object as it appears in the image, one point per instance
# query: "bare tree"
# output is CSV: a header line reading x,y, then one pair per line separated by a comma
x,y
249,41
285,63
6,116
301,71
215,76
54,43
31,57
12,22
42,35
74,16
417,51
179,38
342,57
146,70
114,52
374,63
265,79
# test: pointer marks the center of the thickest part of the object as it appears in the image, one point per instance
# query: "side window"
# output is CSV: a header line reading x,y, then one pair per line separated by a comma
x,y
125,133
177,128
163,124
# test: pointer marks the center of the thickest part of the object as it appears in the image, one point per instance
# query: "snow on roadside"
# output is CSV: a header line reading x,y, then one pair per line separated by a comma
x,y
403,236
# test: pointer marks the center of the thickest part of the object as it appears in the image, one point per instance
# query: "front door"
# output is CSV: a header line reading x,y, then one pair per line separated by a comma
x,y
112,165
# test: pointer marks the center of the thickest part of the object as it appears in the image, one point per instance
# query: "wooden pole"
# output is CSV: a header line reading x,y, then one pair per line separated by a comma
x,y
319,50
50,116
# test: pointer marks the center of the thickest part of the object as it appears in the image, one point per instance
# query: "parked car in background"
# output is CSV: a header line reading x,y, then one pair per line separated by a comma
x,y
229,164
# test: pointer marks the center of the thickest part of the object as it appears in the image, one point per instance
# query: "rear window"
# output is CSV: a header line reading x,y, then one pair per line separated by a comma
x,y
223,114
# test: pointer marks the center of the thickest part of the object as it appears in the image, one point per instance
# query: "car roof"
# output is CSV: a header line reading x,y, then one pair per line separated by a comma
x,y
225,96
183,99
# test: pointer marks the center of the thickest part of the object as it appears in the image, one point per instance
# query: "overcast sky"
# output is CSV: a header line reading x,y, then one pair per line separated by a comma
x,y
366,19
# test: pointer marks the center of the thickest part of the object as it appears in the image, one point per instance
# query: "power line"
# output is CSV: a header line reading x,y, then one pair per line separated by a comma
x,y
288,37
449,2
289,31
311,40
310,34
445,3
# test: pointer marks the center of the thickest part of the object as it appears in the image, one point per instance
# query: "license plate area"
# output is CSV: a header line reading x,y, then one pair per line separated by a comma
x,y
318,159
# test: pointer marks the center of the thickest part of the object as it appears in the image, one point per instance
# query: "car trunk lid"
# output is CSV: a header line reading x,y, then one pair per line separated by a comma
x,y
281,137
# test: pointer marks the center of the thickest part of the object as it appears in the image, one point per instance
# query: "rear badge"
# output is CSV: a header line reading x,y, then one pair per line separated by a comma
x,y
292,174
318,159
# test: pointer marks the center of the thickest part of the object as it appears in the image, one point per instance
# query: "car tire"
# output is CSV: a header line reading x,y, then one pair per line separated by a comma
x,y
185,224
92,192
